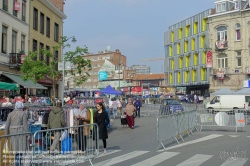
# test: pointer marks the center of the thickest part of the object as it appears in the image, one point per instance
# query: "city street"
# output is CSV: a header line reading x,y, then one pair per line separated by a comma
x,y
139,147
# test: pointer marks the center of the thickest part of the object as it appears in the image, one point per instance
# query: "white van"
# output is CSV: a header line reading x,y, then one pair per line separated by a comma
x,y
229,102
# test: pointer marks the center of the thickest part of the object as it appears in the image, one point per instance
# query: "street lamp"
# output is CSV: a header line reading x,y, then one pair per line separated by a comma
x,y
63,62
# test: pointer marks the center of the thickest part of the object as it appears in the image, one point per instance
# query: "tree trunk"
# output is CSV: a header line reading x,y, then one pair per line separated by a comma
x,y
54,93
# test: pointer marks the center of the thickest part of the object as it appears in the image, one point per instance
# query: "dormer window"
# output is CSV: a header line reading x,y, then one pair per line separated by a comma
x,y
220,7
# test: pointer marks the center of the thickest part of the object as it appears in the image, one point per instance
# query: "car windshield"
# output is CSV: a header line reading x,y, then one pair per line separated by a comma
x,y
172,102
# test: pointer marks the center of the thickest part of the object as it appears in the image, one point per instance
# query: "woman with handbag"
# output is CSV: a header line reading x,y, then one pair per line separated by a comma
x,y
17,122
130,112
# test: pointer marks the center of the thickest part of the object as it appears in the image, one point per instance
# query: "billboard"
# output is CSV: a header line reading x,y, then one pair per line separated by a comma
x,y
109,72
209,59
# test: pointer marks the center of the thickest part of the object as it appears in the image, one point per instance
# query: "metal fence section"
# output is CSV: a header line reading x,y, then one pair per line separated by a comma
x,y
223,118
62,146
66,146
175,126
15,148
149,110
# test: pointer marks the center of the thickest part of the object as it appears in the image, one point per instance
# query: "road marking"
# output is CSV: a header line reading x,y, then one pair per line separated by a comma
x,y
121,158
239,162
156,159
101,154
234,136
195,160
248,136
193,142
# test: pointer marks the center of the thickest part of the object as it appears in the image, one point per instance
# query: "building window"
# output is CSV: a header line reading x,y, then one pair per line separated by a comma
x,y
14,11
56,32
172,36
223,7
222,61
218,8
186,46
187,32
238,57
193,44
170,51
47,57
4,39
13,42
24,10
237,26
41,23
48,27
196,59
222,33
22,42
195,28
35,19
41,47
5,5
34,47
180,33
56,59
204,24
179,48
202,41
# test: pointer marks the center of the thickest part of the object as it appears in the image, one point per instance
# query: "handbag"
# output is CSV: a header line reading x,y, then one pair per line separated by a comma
x,y
134,114
6,148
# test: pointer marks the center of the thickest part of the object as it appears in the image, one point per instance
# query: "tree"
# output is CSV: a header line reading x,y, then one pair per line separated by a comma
x,y
35,69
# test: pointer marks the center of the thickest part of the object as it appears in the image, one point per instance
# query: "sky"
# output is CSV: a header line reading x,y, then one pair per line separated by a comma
x,y
135,27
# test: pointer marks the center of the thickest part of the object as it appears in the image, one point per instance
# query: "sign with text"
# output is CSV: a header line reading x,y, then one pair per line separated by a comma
x,y
17,6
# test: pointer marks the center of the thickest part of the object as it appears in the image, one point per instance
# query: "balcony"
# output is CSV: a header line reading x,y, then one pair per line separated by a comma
x,y
24,18
221,45
16,60
220,73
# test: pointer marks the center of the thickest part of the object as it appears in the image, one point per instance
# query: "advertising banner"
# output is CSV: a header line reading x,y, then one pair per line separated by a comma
x,y
17,6
109,72
209,59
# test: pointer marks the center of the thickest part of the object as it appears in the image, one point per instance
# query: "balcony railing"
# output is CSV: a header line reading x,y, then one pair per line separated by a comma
x,y
221,45
15,13
221,72
5,7
23,18
15,60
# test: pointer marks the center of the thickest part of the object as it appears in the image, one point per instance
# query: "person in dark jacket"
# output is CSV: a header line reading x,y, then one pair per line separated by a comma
x,y
56,120
102,120
138,107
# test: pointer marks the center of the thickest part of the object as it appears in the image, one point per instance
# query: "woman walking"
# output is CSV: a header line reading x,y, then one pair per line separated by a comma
x,y
102,120
17,122
129,111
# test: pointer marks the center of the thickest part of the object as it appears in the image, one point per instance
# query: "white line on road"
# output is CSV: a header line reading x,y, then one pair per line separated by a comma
x,y
108,153
239,162
234,136
248,136
193,142
121,158
156,159
195,160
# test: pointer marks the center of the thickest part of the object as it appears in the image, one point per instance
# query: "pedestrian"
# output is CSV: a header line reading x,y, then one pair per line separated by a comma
x,y
17,122
82,116
106,104
115,106
138,107
56,120
129,112
123,103
102,120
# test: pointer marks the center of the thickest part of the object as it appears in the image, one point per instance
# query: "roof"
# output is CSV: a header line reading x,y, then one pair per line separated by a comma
x,y
148,76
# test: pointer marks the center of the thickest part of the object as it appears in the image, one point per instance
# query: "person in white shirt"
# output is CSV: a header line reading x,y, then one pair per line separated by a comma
x,y
66,99
114,106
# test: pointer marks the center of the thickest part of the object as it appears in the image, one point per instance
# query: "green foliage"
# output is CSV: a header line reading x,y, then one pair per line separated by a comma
x,y
36,69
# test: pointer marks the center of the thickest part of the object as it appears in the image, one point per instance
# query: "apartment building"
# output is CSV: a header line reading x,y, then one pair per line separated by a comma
x,y
229,27
111,59
46,29
186,45
14,27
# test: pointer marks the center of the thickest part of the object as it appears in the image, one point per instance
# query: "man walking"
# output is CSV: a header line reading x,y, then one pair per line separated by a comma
x,y
138,107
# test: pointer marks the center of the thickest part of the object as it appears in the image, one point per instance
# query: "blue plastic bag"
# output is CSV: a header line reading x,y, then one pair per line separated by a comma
x,y
66,145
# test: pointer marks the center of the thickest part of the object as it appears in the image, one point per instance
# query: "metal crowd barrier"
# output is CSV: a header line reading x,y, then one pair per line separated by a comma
x,y
61,146
223,118
175,126
149,109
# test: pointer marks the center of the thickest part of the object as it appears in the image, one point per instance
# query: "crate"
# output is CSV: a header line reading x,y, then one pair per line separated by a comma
x,y
34,128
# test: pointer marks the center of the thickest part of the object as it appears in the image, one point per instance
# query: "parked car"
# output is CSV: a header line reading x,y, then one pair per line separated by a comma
x,y
172,105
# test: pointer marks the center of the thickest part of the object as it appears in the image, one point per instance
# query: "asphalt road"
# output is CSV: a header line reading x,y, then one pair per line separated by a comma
x,y
139,147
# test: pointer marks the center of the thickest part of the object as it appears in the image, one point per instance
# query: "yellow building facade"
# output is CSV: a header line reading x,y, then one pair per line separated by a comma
x,y
46,29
